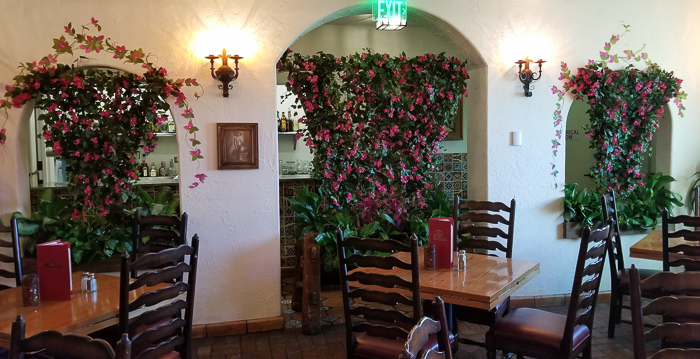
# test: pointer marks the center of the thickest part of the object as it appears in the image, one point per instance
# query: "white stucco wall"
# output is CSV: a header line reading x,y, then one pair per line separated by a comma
x,y
236,212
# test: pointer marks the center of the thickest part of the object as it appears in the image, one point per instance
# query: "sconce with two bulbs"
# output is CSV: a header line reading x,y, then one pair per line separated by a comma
x,y
224,74
527,76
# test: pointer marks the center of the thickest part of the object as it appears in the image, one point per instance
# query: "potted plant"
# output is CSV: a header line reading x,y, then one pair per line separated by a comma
x,y
581,207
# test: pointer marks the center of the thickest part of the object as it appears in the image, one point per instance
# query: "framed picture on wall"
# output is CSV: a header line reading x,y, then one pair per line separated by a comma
x,y
237,145
456,132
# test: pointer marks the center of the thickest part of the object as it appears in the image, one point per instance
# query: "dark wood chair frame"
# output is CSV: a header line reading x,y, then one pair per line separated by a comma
x,y
162,231
480,212
584,294
619,276
691,259
678,299
377,322
165,327
56,344
419,336
16,258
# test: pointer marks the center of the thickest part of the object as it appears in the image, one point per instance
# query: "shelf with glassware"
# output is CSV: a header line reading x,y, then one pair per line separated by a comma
x,y
294,163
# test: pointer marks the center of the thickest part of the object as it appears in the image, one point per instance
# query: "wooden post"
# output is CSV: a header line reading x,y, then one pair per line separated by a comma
x,y
311,303
298,289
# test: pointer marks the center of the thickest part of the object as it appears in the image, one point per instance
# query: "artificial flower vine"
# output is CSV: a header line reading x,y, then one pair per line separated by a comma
x,y
78,111
625,109
374,121
95,119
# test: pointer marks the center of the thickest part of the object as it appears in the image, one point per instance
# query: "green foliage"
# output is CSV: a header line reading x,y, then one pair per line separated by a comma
x,y
581,205
313,214
638,209
643,207
690,198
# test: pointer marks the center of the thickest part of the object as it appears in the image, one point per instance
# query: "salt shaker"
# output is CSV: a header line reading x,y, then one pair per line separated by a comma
x,y
84,280
462,260
91,284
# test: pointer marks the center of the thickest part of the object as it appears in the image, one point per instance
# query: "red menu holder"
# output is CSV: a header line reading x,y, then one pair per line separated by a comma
x,y
441,233
54,269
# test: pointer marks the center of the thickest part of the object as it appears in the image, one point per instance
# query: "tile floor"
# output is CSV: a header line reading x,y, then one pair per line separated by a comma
x,y
291,343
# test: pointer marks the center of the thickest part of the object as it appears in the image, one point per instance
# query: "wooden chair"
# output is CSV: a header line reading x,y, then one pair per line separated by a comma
x,y
542,334
483,226
375,328
16,258
162,330
680,312
52,343
685,255
161,231
419,336
619,275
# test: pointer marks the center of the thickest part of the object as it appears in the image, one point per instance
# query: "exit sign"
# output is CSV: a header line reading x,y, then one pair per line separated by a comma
x,y
389,14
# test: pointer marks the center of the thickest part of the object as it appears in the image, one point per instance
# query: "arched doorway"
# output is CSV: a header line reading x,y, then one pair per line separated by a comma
x,y
350,32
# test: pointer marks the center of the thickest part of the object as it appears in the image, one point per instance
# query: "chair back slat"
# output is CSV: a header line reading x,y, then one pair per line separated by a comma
x,y
153,316
384,315
161,276
16,258
587,277
386,281
480,222
158,296
686,255
373,245
161,330
154,233
387,298
680,313
54,344
369,300
163,348
365,260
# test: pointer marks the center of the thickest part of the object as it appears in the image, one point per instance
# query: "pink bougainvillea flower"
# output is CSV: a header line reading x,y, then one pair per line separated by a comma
x,y
201,177
93,20
194,185
188,126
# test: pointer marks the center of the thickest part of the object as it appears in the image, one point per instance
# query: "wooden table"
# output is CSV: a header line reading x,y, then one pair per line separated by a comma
x,y
83,314
651,247
487,281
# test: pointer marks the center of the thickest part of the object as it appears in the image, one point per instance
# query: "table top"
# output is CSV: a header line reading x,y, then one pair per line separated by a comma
x,y
487,281
83,314
651,247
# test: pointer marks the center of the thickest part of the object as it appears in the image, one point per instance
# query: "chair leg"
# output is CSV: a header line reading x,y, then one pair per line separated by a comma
x,y
614,316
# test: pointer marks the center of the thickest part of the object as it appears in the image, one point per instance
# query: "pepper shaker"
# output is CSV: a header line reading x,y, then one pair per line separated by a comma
x,y
462,260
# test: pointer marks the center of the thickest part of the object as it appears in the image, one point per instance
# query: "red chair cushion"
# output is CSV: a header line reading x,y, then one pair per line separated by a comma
x,y
536,327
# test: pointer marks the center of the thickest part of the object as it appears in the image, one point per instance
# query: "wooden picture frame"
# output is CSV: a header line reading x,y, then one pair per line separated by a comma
x,y
237,145
456,132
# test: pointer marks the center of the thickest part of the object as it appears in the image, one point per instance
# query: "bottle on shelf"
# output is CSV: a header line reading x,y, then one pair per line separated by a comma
x,y
162,171
279,122
154,171
283,121
171,126
172,172
144,169
296,121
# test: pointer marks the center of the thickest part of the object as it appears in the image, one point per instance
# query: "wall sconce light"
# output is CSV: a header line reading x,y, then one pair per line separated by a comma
x,y
526,75
224,74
